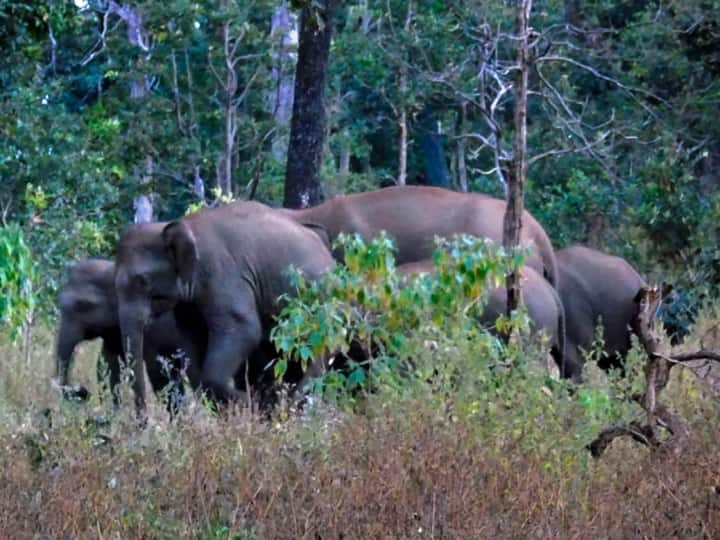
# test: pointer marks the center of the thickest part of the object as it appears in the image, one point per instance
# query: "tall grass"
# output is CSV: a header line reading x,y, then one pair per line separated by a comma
x,y
413,464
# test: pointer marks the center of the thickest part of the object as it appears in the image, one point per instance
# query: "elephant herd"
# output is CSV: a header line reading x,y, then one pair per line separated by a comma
x,y
199,295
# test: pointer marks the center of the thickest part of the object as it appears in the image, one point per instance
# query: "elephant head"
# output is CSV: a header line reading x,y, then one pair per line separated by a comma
x,y
155,269
87,310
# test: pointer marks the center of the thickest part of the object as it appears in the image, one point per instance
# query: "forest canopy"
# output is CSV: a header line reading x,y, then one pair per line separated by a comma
x,y
113,109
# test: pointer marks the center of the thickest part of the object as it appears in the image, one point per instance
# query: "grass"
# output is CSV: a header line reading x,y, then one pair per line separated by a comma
x,y
406,467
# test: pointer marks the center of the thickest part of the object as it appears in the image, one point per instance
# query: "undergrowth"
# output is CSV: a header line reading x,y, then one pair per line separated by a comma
x,y
488,447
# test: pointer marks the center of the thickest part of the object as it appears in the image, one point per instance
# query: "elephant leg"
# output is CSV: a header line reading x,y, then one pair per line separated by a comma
x,y
571,364
230,345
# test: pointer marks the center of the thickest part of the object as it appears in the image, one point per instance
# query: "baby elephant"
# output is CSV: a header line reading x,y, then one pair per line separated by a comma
x,y
88,310
543,305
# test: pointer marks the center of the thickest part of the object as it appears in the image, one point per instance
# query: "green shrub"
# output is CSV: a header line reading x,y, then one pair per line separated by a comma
x,y
18,280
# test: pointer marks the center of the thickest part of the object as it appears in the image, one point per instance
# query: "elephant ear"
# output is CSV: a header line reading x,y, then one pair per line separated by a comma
x,y
181,247
319,230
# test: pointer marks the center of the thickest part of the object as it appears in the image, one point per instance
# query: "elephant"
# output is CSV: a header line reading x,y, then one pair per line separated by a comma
x,y
597,287
414,215
88,310
544,307
230,263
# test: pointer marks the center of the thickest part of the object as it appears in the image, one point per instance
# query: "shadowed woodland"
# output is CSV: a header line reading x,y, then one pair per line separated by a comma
x,y
301,269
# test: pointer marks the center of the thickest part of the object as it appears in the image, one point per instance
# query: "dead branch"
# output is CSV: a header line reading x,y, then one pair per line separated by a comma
x,y
703,354
637,432
657,374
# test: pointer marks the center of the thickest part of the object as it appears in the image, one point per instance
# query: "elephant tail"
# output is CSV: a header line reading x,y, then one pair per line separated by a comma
x,y
560,357
547,255
569,369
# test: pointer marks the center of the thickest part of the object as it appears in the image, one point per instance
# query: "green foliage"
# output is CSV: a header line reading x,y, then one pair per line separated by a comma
x,y
18,280
414,331
75,139
367,301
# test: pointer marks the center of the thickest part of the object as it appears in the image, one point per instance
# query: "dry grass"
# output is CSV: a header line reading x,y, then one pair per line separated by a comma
x,y
401,469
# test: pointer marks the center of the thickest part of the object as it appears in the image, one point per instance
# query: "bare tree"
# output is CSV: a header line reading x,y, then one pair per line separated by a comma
x,y
139,89
403,113
307,127
227,78
284,34
462,173
512,226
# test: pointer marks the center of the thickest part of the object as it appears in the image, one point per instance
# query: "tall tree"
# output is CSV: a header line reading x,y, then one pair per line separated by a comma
x,y
284,37
139,88
512,226
307,127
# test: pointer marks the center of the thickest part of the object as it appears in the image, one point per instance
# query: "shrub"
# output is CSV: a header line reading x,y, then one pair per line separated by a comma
x,y
18,278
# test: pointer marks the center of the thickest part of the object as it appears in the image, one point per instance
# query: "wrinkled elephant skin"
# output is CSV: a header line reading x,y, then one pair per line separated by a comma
x,y
88,310
231,263
595,286
414,215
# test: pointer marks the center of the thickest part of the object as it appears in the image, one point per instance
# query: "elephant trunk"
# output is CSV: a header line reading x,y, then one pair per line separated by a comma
x,y
68,337
132,326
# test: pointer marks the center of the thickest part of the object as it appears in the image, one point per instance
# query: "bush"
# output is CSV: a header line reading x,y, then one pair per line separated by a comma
x,y
470,440
18,278
391,317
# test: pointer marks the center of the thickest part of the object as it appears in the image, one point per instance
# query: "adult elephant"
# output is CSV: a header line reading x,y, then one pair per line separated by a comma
x,y
544,307
89,310
231,263
414,215
597,288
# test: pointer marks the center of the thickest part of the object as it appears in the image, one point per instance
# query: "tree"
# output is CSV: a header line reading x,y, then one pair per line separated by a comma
x,y
307,127
512,226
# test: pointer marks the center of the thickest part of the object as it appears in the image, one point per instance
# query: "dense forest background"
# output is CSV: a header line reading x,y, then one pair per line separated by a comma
x,y
112,111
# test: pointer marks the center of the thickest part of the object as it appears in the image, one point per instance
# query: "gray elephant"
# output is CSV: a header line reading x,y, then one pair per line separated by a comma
x,y
230,263
88,310
544,307
414,215
595,286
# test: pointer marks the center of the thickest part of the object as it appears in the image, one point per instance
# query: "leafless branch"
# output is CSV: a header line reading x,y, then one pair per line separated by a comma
x,y
703,354
633,91
5,210
657,374
101,43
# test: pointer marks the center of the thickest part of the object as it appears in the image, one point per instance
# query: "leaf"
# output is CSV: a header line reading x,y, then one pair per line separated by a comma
x,y
357,377
280,368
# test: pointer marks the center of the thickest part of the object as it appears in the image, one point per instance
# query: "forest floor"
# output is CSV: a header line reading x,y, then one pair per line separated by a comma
x,y
402,468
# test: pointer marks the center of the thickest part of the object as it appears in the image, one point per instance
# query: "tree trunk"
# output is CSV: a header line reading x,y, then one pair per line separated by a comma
x,y
142,203
307,128
230,86
402,153
403,143
516,179
366,17
344,168
139,88
460,149
284,35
